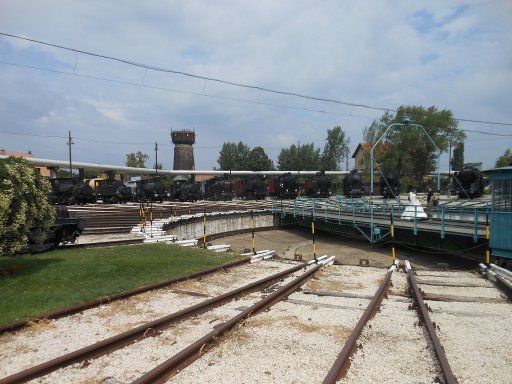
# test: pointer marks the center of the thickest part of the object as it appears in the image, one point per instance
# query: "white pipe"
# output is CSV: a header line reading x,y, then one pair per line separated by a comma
x,y
149,171
407,265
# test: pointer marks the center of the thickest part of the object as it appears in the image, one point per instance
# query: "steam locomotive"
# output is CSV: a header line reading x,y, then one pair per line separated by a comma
x,y
251,188
389,184
146,190
353,184
469,182
284,186
219,188
111,191
319,185
71,191
185,190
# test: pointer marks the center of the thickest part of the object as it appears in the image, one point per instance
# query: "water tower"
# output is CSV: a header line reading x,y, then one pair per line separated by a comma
x,y
183,151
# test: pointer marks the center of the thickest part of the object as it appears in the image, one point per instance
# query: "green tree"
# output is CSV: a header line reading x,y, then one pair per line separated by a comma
x,y
335,149
25,211
505,160
136,159
305,157
233,157
457,161
259,161
158,166
407,149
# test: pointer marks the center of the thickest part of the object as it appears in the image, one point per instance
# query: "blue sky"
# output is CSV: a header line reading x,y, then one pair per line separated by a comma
x,y
452,54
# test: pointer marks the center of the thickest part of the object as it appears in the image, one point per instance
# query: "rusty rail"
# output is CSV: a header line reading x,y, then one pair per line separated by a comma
x,y
134,335
188,355
123,295
342,363
423,313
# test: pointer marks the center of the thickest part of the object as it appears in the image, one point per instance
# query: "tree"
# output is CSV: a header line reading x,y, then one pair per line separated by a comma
x,y
26,214
457,162
259,161
505,160
158,166
136,160
305,157
335,149
407,149
233,157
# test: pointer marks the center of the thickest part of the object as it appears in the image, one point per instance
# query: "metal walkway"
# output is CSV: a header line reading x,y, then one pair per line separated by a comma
x,y
374,220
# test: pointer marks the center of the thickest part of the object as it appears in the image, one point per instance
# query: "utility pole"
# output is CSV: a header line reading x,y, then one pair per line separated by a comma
x,y
70,143
156,157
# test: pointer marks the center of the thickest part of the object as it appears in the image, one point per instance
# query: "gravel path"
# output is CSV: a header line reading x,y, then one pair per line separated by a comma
x,y
48,339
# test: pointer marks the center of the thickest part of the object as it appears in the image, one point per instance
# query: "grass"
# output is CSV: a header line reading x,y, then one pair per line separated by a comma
x,y
56,279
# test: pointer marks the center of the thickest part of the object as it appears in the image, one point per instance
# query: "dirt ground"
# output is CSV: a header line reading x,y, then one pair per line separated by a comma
x,y
287,243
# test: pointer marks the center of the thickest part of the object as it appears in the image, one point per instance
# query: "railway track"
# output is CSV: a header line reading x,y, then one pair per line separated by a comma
x,y
156,326
339,324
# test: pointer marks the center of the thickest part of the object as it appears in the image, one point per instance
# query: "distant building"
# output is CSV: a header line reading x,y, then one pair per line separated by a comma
x,y
361,156
43,170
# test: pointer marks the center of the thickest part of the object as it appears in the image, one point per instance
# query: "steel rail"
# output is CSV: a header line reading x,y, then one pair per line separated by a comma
x,y
152,328
123,295
188,355
342,362
423,313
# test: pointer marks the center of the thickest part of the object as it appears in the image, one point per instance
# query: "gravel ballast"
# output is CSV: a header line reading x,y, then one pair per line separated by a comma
x,y
49,339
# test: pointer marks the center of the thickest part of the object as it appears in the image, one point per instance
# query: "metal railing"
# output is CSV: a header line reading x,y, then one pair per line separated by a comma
x,y
466,221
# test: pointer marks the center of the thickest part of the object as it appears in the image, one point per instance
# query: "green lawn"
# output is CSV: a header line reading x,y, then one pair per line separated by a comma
x,y
52,280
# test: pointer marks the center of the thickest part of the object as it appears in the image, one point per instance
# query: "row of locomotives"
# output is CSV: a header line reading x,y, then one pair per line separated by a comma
x,y
389,184
320,185
353,185
111,191
468,183
284,186
218,189
252,188
184,189
71,191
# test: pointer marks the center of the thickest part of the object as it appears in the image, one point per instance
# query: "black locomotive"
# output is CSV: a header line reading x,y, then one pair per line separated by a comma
x,y
469,182
252,188
150,190
353,184
284,186
389,184
65,229
319,185
112,191
184,190
70,191
219,188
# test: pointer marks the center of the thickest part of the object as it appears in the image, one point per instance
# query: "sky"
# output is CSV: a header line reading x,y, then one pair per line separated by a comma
x,y
455,55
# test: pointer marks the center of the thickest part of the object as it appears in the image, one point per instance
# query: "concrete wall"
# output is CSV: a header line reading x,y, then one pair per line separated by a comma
x,y
215,226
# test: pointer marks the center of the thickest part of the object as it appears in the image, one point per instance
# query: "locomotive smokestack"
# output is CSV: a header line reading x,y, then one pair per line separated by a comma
x,y
183,151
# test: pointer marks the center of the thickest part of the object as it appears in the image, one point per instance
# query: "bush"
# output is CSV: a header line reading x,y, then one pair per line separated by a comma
x,y
26,214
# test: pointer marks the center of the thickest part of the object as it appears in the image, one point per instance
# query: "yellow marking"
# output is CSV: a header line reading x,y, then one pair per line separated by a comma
x,y
314,248
392,230
487,256
253,243
487,232
312,227
393,254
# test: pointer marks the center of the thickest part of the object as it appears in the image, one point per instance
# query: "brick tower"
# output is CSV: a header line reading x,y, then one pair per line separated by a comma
x,y
183,151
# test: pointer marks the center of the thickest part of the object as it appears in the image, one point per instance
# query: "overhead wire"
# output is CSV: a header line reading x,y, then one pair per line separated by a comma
x,y
227,82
